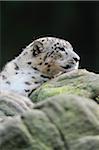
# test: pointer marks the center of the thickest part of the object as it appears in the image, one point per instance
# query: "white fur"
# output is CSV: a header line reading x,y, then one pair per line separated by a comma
x,y
26,73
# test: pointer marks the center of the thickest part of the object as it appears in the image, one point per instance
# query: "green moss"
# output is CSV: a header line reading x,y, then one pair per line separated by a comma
x,y
48,91
80,83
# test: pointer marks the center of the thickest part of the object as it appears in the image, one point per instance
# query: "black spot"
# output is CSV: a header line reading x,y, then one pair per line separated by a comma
x,y
43,76
51,53
16,73
4,77
26,90
35,68
40,63
28,83
8,82
49,66
46,63
55,48
48,70
61,48
22,117
33,77
76,59
57,43
43,40
29,63
66,67
16,66
66,53
36,82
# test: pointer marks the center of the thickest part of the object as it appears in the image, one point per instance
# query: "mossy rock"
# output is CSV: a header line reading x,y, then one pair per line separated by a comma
x,y
12,104
61,122
80,82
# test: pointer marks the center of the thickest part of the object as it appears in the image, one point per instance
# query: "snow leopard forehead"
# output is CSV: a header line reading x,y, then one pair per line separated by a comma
x,y
55,43
52,43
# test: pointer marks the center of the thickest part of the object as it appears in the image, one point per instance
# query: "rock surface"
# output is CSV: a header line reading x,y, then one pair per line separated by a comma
x,y
65,116
81,83
12,104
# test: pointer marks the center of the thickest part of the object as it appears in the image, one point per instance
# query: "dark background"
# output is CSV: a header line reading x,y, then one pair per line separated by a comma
x,y
77,22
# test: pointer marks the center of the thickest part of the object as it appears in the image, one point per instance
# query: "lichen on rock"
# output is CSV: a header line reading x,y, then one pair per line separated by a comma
x,y
64,122
78,82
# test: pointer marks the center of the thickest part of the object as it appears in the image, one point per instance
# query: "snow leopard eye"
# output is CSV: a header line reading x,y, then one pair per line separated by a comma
x,y
37,48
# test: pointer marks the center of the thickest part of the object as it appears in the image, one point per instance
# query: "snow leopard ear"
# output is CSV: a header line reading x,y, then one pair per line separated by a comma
x,y
37,48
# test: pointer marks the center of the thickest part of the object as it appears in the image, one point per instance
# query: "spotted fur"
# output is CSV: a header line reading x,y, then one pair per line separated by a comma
x,y
40,61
